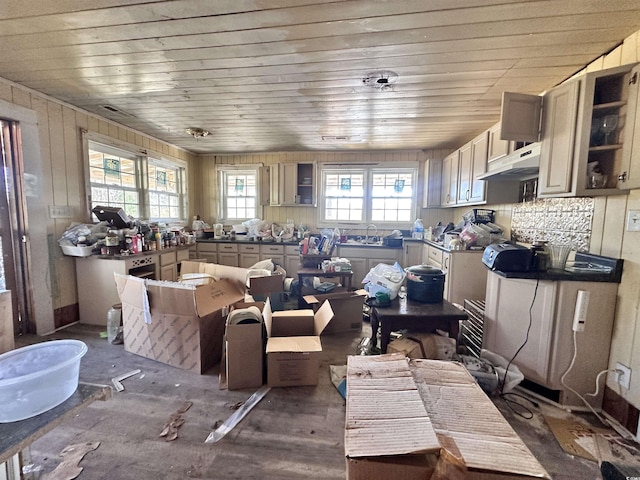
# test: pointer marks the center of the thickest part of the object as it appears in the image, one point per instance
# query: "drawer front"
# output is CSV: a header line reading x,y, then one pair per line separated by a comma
x,y
436,255
167,258
292,250
182,255
249,248
207,247
228,247
272,249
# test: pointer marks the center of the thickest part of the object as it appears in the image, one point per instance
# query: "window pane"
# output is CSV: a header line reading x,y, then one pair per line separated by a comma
x,y
239,195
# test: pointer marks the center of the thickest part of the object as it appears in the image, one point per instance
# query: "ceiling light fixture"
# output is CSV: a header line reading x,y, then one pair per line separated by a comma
x,y
383,80
197,132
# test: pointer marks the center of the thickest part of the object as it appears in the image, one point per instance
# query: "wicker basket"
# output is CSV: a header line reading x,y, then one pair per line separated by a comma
x,y
479,215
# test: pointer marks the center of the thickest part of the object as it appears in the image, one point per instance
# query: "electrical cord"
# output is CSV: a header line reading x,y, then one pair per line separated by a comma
x,y
603,420
528,414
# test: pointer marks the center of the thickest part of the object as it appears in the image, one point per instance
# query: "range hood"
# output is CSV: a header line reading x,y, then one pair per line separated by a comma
x,y
519,165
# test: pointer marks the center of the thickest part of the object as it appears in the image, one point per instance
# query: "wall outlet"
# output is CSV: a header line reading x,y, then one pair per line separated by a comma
x,y
624,378
60,211
633,221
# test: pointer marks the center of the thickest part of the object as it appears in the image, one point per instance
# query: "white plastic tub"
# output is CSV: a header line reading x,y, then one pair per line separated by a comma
x,y
37,378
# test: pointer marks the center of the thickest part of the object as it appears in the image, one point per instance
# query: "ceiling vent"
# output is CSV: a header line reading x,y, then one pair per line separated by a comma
x,y
114,111
383,80
341,138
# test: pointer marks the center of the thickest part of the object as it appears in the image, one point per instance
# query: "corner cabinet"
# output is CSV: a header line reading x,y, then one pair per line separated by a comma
x,y
293,184
587,133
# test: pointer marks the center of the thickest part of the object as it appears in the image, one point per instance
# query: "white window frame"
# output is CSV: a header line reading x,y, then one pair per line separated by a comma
x,y
221,173
181,181
368,171
94,141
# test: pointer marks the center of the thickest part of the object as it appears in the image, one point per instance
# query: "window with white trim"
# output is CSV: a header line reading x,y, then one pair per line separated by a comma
x,y
115,179
165,182
381,195
238,193
144,187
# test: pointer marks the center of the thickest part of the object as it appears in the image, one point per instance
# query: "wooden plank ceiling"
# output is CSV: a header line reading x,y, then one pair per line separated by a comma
x,y
273,75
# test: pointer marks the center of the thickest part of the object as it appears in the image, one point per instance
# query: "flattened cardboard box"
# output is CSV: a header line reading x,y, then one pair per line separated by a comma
x,y
187,321
488,444
347,309
293,345
388,433
382,441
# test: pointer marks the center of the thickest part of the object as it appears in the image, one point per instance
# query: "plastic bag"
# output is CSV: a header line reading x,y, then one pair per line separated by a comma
x,y
514,375
384,278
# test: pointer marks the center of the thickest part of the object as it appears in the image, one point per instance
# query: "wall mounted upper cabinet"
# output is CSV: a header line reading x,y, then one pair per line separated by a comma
x,y
450,179
293,184
587,133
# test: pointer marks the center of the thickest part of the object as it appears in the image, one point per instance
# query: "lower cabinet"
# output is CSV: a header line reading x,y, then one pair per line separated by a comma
x,y
412,253
228,254
291,260
364,259
274,252
545,310
249,255
207,251
465,274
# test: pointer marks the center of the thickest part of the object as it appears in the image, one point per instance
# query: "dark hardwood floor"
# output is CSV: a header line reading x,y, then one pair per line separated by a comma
x,y
293,433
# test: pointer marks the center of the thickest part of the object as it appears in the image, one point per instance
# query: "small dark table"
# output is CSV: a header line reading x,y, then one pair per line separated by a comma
x,y
414,316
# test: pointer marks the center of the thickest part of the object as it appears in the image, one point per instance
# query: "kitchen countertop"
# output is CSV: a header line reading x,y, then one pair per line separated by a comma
x,y
567,275
253,242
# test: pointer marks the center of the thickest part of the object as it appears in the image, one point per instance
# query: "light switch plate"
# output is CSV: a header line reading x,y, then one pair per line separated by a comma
x,y
633,221
60,211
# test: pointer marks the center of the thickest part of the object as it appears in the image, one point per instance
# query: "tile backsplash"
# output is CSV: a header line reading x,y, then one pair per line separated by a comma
x,y
555,220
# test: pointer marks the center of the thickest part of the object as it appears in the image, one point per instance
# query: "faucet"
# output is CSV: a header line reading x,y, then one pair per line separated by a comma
x,y
371,225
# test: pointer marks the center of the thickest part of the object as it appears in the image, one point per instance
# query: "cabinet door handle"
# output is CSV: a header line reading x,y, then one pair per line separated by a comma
x,y
468,191
622,177
446,262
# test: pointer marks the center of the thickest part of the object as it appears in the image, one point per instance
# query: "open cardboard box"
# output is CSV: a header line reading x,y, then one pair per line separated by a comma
x,y
293,345
346,306
180,325
243,352
410,419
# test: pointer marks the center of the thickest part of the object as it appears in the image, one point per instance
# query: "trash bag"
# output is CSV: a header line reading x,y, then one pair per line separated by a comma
x,y
384,278
513,377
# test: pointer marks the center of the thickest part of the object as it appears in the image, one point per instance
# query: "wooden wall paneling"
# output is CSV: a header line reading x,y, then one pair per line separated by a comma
x,y
613,58
629,52
93,123
21,97
146,142
5,92
103,127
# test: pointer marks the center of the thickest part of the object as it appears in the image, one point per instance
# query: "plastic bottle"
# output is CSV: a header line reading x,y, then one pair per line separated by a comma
x,y
114,317
418,229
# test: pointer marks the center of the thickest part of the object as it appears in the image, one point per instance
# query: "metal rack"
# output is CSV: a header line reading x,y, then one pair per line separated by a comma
x,y
472,329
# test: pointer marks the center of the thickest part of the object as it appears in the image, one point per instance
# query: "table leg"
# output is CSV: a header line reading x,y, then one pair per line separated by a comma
x,y
374,328
385,336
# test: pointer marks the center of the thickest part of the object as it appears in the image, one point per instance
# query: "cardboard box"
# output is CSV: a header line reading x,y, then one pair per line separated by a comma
x,y
424,345
271,286
347,309
180,325
293,345
395,409
244,351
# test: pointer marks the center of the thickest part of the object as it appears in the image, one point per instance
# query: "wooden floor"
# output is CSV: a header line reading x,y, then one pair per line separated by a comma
x,y
294,433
